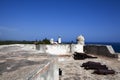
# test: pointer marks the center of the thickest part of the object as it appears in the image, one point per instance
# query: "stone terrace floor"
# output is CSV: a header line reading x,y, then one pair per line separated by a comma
x,y
71,69
18,63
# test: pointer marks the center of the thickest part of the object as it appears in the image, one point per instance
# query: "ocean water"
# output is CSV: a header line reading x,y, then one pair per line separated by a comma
x,y
116,46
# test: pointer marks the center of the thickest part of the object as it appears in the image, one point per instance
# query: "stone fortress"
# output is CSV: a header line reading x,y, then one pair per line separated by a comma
x,y
57,48
24,62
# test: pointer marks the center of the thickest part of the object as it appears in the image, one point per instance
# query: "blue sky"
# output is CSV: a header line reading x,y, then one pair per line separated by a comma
x,y
96,20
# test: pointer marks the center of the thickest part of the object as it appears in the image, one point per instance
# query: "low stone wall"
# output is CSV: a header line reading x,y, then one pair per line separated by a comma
x,y
50,71
105,50
59,49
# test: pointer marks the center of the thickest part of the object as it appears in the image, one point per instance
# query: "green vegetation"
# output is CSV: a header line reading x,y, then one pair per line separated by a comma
x,y
44,41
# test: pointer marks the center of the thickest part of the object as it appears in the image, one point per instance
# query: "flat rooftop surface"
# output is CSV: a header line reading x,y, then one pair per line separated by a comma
x,y
72,70
19,62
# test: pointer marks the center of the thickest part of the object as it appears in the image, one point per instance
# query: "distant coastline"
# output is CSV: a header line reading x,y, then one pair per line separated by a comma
x,y
115,45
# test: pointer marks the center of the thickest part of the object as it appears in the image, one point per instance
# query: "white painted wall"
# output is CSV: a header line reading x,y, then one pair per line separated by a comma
x,y
57,49
60,49
77,48
110,49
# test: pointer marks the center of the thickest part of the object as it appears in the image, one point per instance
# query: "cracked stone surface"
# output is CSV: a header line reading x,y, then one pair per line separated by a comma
x,y
72,70
18,62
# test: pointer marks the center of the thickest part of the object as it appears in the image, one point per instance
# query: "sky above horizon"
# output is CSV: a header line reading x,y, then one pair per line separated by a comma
x,y
96,20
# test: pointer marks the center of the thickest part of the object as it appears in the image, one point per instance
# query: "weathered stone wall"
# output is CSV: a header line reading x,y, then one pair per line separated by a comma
x,y
59,49
105,50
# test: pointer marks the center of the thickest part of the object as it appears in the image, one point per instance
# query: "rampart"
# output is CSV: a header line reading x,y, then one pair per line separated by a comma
x,y
105,50
59,49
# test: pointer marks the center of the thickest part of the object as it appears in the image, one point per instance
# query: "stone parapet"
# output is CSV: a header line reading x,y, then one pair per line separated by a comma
x,y
105,50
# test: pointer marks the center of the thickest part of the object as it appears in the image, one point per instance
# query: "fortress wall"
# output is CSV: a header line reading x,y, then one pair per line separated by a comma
x,y
59,49
77,48
27,46
105,50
